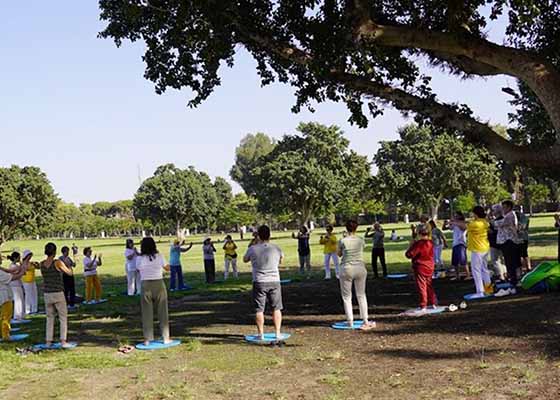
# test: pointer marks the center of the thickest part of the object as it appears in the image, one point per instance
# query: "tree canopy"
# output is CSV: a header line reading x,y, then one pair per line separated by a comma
x,y
309,173
178,198
422,168
365,53
251,148
27,201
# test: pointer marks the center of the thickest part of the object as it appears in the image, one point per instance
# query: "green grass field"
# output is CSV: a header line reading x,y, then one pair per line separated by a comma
x,y
214,363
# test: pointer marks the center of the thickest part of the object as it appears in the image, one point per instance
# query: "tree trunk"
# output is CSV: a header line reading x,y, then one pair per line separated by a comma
x,y
434,211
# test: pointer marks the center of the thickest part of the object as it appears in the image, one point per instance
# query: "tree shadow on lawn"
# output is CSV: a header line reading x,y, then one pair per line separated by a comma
x,y
416,354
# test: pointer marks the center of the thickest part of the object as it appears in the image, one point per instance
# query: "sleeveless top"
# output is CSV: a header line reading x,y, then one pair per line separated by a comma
x,y
52,279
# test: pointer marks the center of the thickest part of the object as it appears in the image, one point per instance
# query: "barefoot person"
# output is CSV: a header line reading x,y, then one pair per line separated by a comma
x,y
151,264
330,245
353,271
93,284
421,252
132,275
265,259
53,289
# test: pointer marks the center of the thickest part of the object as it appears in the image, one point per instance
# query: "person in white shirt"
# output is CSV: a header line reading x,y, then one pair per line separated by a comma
x,y
132,275
17,271
151,264
93,284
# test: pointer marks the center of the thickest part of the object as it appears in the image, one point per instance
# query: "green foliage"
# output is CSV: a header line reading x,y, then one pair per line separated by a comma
x,y
241,210
537,193
177,198
309,173
247,155
27,201
465,202
422,168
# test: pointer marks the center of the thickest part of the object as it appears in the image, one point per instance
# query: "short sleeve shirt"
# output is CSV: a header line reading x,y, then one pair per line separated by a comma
x,y
175,255
265,260
150,268
130,264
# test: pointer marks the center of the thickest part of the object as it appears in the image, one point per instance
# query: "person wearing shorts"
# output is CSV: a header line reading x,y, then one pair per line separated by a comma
x,y
265,259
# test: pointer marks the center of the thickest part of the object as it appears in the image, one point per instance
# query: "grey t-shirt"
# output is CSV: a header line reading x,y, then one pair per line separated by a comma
x,y
352,248
265,259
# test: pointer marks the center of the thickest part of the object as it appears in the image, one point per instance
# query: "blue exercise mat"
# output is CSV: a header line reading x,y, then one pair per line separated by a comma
x,y
474,296
19,321
503,285
96,302
397,276
56,346
15,329
18,337
268,338
158,345
284,281
344,325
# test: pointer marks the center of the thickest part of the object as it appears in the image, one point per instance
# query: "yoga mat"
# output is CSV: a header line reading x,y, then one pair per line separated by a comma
x,y
19,321
268,338
285,281
55,346
15,329
158,345
503,285
397,276
97,302
17,337
344,325
473,296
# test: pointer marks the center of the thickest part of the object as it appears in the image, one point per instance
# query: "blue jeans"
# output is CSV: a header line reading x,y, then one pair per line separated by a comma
x,y
176,277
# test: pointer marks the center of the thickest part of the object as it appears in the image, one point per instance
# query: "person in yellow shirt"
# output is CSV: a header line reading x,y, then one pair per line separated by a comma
x,y
230,257
479,246
29,284
330,248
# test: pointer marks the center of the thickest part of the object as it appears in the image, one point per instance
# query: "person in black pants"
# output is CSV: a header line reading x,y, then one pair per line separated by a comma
x,y
208,250
378,249
508,239
557,226
68,280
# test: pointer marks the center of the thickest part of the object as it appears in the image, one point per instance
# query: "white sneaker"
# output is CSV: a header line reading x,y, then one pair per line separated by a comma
x,y
452,307
513,291
503,292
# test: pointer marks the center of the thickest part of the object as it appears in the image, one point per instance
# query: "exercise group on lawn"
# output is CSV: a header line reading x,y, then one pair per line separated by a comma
x,y
500,233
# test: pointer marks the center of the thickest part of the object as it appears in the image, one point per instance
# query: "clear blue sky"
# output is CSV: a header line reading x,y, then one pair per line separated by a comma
x,y
80,109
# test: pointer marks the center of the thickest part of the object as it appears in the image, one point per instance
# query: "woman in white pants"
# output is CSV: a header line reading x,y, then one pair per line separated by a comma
x,y
17,272
29,284
479,246
353,271
134,284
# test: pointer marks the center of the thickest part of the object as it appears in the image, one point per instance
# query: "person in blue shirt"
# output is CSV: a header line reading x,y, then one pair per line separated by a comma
x,y
176,282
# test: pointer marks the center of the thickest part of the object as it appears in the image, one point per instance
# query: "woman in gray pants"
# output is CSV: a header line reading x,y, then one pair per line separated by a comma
x,y
151,264
354,271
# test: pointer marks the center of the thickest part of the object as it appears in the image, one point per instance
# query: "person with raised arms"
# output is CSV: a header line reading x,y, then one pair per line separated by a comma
x,y
377,249
53,292
353,272
176,282
479,246
230,257
330,243
6,302
17,271
132,275
265,259
29,284
151,264
304,250
508,239
68,280
93,284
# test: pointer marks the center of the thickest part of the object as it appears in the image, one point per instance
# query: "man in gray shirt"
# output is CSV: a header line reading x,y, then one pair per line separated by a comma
x,y
265,259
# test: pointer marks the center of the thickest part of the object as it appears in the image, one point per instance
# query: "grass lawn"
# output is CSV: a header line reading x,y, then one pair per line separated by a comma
x,y
499,349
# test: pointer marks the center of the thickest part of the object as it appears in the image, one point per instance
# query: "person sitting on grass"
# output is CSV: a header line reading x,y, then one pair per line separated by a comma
x,y
265,259
230,257
479,246
53,289
93,284
151,264
208,251
421,252
176,281
353,271
6,302
304,250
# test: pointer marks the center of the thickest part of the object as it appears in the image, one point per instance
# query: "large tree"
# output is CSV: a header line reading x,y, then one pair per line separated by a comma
x,y
27,201
177,197
365,53
251,148
309,173
423,168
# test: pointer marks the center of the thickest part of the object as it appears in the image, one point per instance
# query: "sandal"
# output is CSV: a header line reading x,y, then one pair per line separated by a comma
x,y
126,349
368,327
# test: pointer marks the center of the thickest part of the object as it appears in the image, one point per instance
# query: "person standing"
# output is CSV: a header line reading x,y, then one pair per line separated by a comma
x,y
414,229
53,289
230,257
508,240
133,284
93,284
29,284
330,244
523,233
496,256
151,264
439,242
353,272
378,249
17,271
176,281
557,226
479,246
6,303
304,250
459,250
208,251
265,259
421,252
68,280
